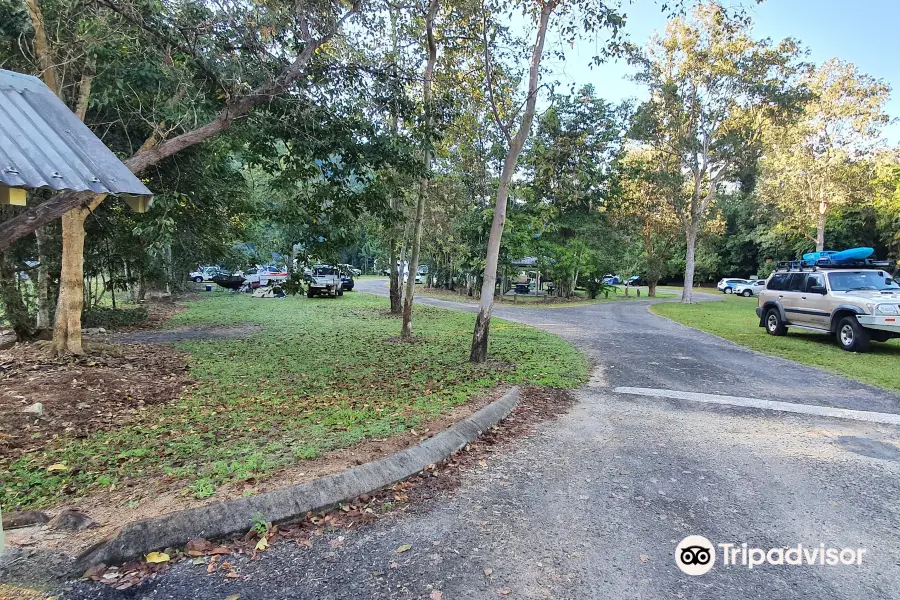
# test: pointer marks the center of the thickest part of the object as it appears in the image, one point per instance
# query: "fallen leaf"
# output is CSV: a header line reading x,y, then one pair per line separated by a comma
x,y
232,575
404,548
95,571
220,550
644,558
436,595
233,597
488,571
57,467
504,591
262,544
394,565
197,545
199,561
157,557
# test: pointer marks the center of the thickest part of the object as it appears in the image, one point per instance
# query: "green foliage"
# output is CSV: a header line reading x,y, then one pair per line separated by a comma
x,y
326,374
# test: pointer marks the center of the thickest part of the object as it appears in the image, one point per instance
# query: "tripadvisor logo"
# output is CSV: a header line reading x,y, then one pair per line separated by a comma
x,y
696,555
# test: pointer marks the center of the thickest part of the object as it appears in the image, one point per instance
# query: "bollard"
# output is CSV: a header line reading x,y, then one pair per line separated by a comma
x,y
639,293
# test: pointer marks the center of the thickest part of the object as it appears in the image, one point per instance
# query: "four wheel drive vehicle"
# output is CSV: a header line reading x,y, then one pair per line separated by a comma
x,y
325,280
726,286
750,288
856,304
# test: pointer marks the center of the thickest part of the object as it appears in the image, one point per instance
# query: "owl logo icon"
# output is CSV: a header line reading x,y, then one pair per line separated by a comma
x,y
695,555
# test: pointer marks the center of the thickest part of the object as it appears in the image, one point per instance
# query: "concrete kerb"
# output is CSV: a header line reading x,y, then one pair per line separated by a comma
x,y
233,516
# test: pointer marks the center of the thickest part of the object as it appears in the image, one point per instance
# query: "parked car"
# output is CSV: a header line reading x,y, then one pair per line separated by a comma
x,y
610,279
751,288
635,280
726,286
857,304
204,274
347,268
347,282
325,281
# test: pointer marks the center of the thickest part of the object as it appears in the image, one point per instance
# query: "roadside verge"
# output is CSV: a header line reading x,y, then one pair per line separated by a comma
x,y
232,516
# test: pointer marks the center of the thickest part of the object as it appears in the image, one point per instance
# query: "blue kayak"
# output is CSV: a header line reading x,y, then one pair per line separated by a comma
x,y
814,256
839,257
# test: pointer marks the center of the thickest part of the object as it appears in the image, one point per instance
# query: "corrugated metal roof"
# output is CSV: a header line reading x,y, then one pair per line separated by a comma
x,y
44,145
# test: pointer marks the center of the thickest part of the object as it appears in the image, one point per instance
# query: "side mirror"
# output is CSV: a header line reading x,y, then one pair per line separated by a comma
x,y
818,289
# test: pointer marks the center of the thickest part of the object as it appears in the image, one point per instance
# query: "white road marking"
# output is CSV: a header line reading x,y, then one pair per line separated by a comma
x,y
803,409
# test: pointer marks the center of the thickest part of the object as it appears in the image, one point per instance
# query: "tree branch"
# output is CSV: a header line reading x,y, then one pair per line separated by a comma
x,y
40,215
504,129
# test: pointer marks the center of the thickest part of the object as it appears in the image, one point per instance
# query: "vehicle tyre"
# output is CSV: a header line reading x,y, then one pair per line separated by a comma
x,y
851,336
774,323
198,279
746,293
340,292
728,290
309,294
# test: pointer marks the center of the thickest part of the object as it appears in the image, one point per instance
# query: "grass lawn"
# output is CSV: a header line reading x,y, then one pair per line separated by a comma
x,y
324,374
541,301
735,319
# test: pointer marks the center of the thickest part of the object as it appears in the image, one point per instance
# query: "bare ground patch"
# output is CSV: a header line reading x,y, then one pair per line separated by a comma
x,y
81,395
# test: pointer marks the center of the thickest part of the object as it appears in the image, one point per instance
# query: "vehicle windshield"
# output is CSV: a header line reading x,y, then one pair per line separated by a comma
x,y
861,280
324,271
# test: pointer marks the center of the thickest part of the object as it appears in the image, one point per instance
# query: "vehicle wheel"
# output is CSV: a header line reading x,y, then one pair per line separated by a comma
x,y
340,292
198,280
774,324
852,336
746,293
309,294
729,290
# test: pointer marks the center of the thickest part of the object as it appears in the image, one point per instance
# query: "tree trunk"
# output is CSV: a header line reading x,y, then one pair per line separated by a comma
x,y
691,239
651,289
40,279
820,226
67,330
406,330
479,350
11,299
395,280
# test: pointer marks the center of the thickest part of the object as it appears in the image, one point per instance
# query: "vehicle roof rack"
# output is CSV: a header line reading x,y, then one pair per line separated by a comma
x,y
825,264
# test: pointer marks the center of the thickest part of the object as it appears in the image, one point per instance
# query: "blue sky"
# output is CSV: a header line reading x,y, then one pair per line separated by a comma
x,y
864,32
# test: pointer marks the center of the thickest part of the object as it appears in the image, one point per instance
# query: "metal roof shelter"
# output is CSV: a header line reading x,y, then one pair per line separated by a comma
x,y
45,145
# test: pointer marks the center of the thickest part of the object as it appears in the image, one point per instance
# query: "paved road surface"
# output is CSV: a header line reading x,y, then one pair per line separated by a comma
x,y
594,504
